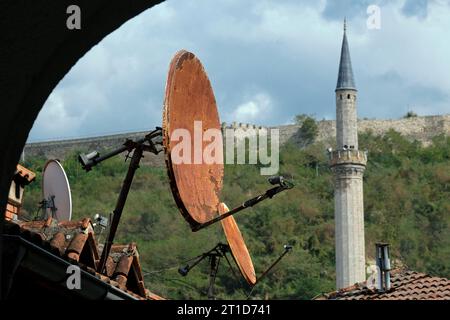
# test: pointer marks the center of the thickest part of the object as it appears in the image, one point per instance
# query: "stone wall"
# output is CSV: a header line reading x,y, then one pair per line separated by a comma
x,y
422,129
419,128
60,149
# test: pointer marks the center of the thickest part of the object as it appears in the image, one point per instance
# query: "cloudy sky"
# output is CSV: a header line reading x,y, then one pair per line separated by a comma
x,y
267,61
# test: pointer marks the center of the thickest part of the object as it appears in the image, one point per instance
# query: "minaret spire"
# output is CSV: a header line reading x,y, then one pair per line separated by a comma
x,y
345,77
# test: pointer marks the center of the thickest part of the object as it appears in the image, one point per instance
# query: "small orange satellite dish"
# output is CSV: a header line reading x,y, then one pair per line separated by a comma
x,y
190,102
237,245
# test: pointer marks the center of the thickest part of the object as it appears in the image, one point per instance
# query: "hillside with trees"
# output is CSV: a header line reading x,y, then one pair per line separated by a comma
x,y
407,204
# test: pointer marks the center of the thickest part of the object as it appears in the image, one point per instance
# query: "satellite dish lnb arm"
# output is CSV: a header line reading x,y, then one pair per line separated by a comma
x,y
92,159
269,194
153,138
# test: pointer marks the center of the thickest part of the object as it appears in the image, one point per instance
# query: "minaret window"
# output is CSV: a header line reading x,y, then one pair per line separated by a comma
x,y
348,96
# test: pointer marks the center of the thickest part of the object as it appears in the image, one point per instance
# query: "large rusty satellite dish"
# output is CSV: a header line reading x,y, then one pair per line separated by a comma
x,y
237,245
189,97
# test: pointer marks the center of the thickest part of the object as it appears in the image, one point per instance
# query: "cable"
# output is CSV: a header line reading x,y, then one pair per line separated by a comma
x,y
232,269
146,273
250,293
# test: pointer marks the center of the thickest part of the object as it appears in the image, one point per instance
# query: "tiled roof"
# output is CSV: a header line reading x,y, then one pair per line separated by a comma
x,y
406,285
25,174
75,242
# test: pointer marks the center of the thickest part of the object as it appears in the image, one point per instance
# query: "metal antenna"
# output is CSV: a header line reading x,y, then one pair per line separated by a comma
x,y
287,249
151,143
214,255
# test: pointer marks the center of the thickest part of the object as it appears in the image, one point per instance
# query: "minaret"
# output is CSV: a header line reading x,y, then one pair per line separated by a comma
x,y
348,164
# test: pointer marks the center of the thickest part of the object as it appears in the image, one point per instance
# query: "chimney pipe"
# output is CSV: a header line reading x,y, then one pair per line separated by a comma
x,y
384,266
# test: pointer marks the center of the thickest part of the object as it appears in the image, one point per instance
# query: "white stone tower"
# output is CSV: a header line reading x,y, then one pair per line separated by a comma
x,y
348,164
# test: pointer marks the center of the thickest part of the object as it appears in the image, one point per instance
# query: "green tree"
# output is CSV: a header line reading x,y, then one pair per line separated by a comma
x,y
308,128
406,203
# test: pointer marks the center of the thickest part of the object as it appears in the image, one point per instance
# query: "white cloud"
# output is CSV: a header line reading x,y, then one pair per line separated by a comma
x,y
254,110
267,61
415,49
55,119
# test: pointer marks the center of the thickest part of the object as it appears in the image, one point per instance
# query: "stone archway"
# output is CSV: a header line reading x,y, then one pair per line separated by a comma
x,y
37,50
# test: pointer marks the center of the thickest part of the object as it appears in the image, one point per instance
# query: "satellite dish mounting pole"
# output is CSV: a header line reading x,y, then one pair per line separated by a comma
x,y
214,264
117,213
151,143
52,206
214,255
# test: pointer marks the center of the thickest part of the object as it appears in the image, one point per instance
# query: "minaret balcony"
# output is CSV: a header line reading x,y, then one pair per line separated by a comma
x,y
348,156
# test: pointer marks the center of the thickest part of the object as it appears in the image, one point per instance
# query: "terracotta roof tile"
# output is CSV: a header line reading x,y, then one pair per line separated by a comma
x,y
25,173
75,242
406,285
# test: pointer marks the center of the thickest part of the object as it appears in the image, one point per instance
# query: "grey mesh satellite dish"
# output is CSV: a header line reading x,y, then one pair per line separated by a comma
x,y
57,198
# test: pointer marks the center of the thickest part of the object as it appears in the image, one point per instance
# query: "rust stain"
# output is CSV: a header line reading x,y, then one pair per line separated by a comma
x,y
182,56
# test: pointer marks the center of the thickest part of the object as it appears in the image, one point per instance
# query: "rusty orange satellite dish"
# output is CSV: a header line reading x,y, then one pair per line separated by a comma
x,y
237,245
196,185
189,99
